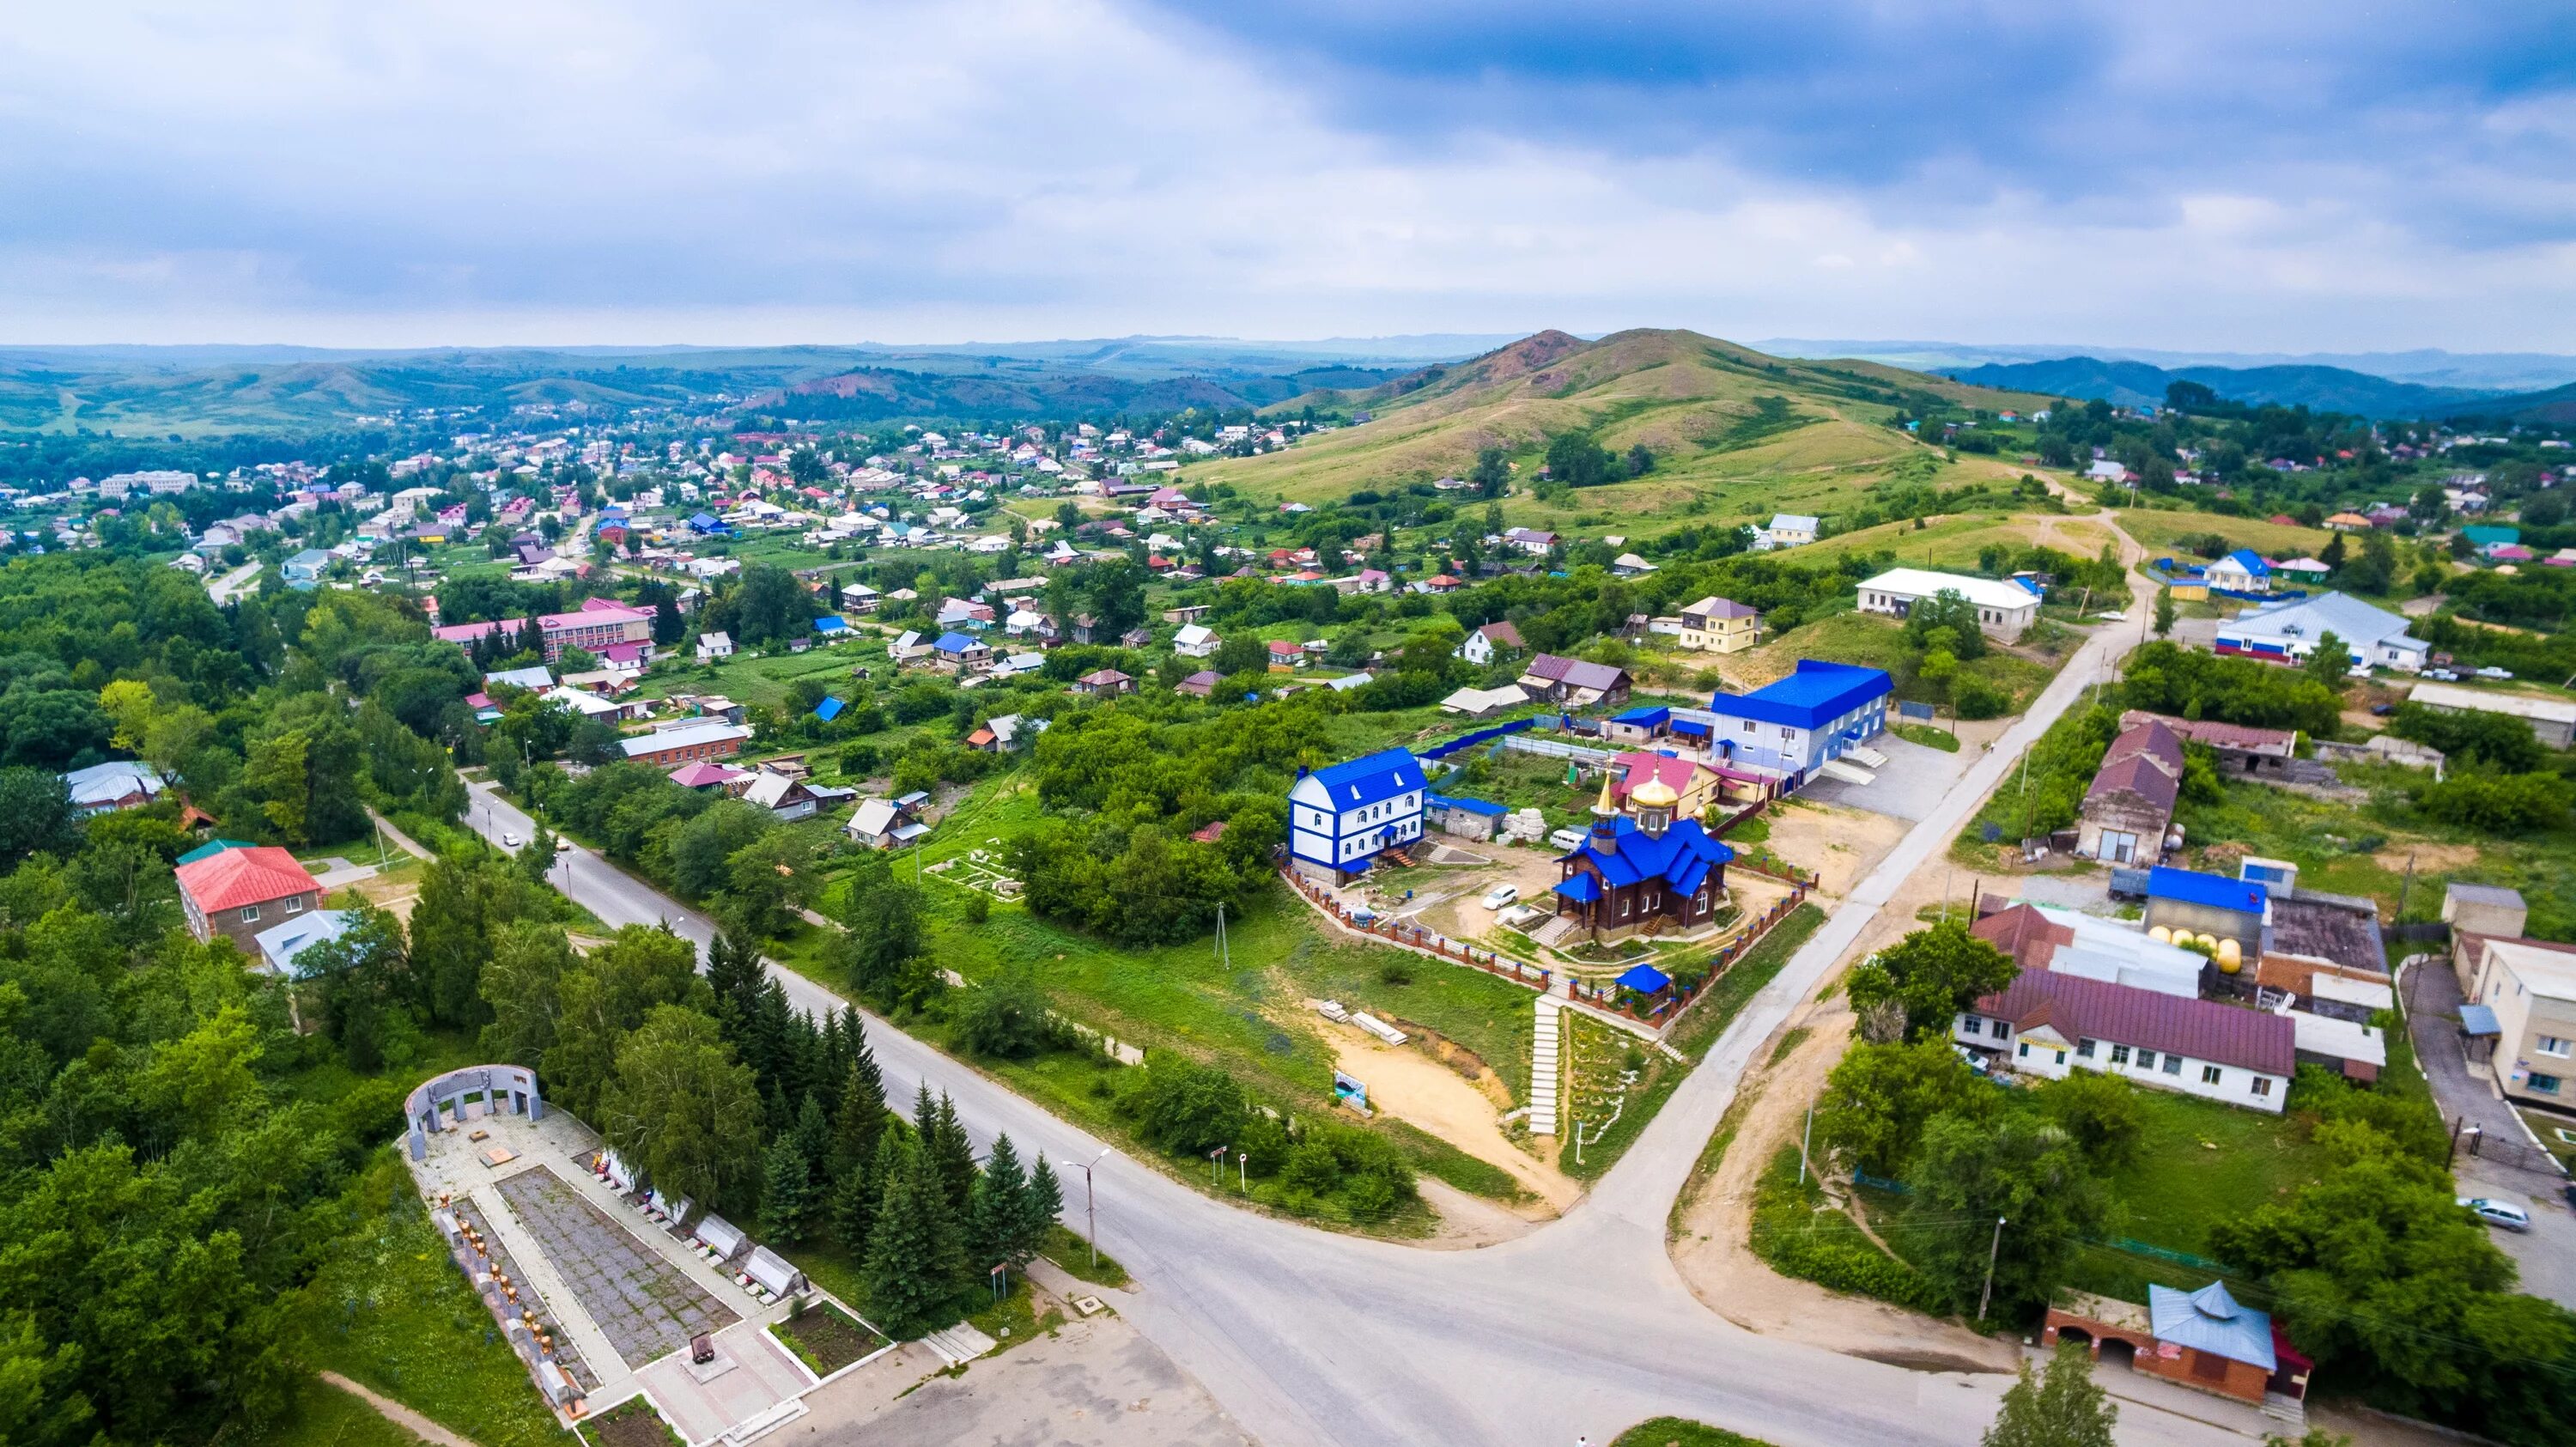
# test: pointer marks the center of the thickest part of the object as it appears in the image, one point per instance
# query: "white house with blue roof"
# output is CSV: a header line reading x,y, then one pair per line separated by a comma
x,y
1796,725
2242,571
1340,817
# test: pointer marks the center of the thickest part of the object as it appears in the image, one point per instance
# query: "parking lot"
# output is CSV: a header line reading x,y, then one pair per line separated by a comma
x,y
1910,787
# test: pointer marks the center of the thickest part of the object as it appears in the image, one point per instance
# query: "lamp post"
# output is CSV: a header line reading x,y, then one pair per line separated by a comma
x,y
1090,1202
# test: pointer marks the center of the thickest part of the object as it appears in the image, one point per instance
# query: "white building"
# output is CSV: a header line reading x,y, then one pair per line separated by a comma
x,y
1195,641
2047,1023
1340,817
1787,530
2005,610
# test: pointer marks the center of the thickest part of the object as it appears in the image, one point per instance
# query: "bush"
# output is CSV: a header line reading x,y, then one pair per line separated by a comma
x,y
1974,698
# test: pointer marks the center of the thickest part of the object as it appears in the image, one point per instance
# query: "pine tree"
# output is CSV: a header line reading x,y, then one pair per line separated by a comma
x,y
854,1209
925,1115
813,1136
2165,611
997,1229
914,1258
1045,1203
862,1121
786,1193
733,969
948,1150
2064,1410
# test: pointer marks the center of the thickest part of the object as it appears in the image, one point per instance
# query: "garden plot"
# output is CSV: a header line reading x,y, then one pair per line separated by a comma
x,y
979,868
643,1304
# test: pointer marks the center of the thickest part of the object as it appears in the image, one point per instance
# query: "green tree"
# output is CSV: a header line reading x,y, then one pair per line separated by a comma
x,y
2331,660
883,938
522,984
2165,608
2064,1409
1187,1108
642,969
2023,1171
999,1225
35,813
1879,1097
855,1192
2100,1113
915,1253
682,1110
1007,1019
861,1123
1492,473
1931,975
786,1192
946,1150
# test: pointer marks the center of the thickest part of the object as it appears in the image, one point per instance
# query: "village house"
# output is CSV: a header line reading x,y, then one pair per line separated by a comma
x,y
1195,641
1201,684
714,646
2288,631
2242,571
241,891
2049,1022
783,795
1720,625
1104,683
1491,641
120,784
685,741
1695,787
2129,807
1340,817
2241,748
1286,656
2527,989
1529,540
1574,681
1787,530
961,653
2005,610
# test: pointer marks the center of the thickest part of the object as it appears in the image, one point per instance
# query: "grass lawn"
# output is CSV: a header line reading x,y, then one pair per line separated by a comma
x,y
2158,531
388,1309
1875,641
631,1423
1926,735
321,1415
826,1338
1068,1249
1679,1432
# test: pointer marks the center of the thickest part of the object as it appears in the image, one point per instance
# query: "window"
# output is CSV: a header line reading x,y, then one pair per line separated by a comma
x,y
2262,1085
2551,1045
2173,1065
2119,1054
2025,1050
2209,1074
249,913
2544,1084
2146,1060
2002,1028
1971,1025
295,904
1787,732
2061,1057
2084,1048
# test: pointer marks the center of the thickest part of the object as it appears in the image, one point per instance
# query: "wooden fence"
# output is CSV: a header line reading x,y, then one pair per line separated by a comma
x,y
1408,935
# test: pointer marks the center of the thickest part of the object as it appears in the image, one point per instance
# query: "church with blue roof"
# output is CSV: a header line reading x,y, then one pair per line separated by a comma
x,y
1343,816
1652,871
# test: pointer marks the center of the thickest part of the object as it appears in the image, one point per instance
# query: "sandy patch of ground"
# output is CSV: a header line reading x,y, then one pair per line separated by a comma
x,y
1708,1245
394,896
2428,858
1406,1082
1839,843
1452,899
1467,1222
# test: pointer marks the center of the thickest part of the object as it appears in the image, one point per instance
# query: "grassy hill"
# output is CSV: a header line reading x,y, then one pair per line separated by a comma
x,y
1735,433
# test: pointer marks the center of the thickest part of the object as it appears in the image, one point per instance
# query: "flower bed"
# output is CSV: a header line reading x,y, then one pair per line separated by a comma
x,y
826,1338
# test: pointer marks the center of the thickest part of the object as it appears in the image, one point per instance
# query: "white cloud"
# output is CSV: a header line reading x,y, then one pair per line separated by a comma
x,y
587,172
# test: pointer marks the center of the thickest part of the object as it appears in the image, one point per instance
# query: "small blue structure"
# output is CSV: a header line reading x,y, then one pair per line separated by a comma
x,y
829,709
1645,980
832,625
2209,1320
709,525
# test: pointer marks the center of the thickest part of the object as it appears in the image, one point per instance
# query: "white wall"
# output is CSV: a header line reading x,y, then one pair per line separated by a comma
x,y
2235,1084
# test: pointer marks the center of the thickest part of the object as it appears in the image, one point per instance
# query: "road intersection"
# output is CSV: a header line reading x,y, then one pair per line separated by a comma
x,y
1581,1327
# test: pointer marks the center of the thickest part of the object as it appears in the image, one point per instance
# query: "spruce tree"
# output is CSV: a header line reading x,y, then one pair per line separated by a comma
x,y
854,1209
786,1193
914,1259
813,1136
953,1154
1044,1203
733,969
862,1121
997,1229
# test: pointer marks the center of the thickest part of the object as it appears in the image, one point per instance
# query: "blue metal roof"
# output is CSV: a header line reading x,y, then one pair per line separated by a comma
x,y
1808,698
1582,888
831,623
1371,778
2212,1321
1691,727
953,643
1644,979
2251,561
2480,1020
1484,807
829,709
1652,716
2186,886
1681,858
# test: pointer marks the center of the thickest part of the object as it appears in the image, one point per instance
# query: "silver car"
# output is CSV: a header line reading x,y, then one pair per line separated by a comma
x,y
2498,1213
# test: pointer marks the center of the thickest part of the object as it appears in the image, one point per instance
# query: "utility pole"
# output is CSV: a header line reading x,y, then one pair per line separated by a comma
x,y
1090,1203
1986,1293
1805,1136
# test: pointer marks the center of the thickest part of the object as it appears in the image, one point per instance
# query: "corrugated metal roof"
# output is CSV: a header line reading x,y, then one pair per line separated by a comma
x,y
2210,1320
2186,886
2125,1015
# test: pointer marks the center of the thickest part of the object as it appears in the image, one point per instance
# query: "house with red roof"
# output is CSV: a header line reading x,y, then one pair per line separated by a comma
x,y
2049,1022
2130,805
237,893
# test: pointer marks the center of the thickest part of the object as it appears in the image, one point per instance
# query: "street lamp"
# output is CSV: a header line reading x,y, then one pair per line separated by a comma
x,y
1090,1202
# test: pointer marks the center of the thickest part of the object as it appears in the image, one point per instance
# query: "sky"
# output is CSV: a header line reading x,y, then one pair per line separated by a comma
x,y
2294,175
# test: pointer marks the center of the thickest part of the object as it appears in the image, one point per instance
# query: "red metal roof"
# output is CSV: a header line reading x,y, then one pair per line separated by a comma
x,y
2124,1015
238,877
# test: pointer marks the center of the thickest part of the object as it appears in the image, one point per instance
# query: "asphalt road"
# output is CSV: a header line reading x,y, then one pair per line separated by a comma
x,y
1582,1327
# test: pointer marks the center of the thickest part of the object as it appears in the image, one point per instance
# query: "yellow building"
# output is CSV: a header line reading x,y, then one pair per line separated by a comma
x,y
1720,625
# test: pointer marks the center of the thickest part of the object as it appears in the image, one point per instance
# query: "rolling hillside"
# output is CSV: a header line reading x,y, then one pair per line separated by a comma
x,y
1735,433
2321,389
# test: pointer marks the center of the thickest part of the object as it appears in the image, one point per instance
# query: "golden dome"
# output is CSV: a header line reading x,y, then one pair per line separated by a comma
x,y
1654,794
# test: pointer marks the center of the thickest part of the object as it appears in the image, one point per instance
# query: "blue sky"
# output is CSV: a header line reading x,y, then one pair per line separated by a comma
x,y
2288,176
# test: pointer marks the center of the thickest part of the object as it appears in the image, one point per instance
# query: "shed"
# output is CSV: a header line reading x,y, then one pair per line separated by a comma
x,y
1466,818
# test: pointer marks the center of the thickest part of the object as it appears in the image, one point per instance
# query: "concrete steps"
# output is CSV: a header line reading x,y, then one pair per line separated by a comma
x,y
1544,1069
959,1343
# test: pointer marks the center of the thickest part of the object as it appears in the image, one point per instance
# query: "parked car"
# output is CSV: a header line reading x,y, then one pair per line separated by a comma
x,y
2498,1213
562,845
510,840
2491,671
1501,895
2382,710
2443,674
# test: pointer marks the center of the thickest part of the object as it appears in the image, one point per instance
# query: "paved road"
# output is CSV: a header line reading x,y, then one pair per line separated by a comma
x,y
2507,1166
238,580
1582,1327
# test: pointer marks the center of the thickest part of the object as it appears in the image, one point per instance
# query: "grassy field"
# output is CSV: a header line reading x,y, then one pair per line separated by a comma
x,y
2158,532
1877,641
1953,543
390,1310
321,1415
1722,453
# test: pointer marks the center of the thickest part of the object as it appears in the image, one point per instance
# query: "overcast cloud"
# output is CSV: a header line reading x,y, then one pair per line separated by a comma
x,y
2289,176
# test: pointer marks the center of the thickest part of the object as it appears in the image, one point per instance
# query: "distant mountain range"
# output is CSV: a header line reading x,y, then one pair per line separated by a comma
x,y
2491,372
2318,388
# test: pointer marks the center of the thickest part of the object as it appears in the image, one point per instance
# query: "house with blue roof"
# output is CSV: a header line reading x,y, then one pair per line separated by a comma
x,y
1795,726
709,525
831,626
1342,816
2242,571
966,655
830,709
1648,870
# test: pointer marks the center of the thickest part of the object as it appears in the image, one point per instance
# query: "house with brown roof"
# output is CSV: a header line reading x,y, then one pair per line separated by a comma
x,y
1201,684
1104,683
2048,1022
2241,748
237,893
2130,805
1720,625
1489,642
1575,681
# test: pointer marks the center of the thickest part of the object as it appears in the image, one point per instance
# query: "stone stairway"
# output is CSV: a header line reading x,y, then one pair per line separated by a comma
x,y
959,1343
1555,931
1544,1071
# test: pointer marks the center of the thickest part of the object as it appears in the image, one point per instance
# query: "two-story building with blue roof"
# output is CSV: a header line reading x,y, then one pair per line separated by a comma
x,y
1653,871
1341,816
1792,727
